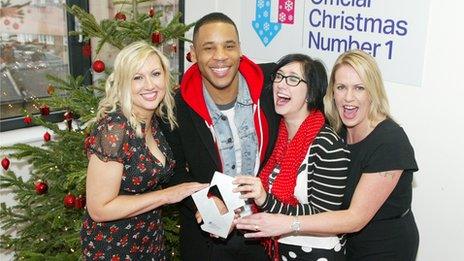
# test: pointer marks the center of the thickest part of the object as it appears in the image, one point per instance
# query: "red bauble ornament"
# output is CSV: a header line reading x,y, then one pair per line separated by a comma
x,y
98,66
41,187
151,12
188,56
5,163
173,48
68,117
157,37
44,110
86,50
69,200
27,120
50,89
47,136
80,202
120,16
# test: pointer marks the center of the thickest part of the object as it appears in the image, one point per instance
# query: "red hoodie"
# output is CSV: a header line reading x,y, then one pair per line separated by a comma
x,y
191,89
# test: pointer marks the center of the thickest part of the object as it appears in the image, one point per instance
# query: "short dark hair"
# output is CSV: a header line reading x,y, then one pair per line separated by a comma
x,y
314,74
215,17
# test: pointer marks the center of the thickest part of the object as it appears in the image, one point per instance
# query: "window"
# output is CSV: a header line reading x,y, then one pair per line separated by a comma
x,y
34,42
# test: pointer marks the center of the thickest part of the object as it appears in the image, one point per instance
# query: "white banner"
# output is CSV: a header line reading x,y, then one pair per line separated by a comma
x,y
393,31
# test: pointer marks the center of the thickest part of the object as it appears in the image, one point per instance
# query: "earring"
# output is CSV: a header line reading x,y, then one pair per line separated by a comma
x,y
306,99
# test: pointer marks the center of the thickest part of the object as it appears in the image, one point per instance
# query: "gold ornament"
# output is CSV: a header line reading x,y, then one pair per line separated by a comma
x,y
50,89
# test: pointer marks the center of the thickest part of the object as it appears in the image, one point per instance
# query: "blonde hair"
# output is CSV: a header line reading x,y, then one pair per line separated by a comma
x,y
118,85
369,73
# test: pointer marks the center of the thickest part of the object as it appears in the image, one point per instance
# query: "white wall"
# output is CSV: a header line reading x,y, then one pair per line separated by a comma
x,y
431,115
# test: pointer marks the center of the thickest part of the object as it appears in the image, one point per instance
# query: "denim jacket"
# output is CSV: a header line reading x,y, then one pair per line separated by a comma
x,y
245,128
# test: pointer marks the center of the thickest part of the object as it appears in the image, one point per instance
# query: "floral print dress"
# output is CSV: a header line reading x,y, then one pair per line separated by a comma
x,y
140,237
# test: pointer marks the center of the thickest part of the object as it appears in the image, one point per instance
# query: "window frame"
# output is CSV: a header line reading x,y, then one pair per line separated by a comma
x,y
78,65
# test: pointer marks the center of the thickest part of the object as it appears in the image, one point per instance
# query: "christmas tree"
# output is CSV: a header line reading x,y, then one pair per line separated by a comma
x,y
45,222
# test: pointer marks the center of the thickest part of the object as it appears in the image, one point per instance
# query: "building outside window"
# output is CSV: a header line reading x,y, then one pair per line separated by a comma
x,y
33,44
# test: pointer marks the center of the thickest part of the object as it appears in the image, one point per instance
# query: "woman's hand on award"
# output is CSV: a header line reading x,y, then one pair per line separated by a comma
x,y
177,193
250,187
264,225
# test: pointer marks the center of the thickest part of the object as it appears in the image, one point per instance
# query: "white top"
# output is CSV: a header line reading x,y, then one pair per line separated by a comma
x,y
301,194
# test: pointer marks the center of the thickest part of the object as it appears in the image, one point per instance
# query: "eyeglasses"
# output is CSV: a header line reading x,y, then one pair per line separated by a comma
x,y
290,80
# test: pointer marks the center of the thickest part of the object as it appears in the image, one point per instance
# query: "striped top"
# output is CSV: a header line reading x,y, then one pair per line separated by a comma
x,y
321,180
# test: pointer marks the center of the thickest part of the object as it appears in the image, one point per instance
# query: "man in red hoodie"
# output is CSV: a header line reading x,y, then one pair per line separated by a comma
x,y
226,123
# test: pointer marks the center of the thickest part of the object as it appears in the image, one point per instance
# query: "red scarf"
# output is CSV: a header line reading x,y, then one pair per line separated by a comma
x,y
290,155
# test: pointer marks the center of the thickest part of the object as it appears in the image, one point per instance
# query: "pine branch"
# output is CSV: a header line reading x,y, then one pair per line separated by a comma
x,y
75,96
176,30
90,27
24,150
11,218
121,33
124,2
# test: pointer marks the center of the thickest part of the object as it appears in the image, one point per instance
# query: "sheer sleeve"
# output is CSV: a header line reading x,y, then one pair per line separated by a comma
x,y
108,140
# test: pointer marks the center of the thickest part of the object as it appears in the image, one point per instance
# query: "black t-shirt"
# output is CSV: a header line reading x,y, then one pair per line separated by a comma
x,y
386,148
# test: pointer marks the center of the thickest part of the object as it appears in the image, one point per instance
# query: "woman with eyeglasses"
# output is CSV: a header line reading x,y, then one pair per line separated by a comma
x,y
376,211
307,171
